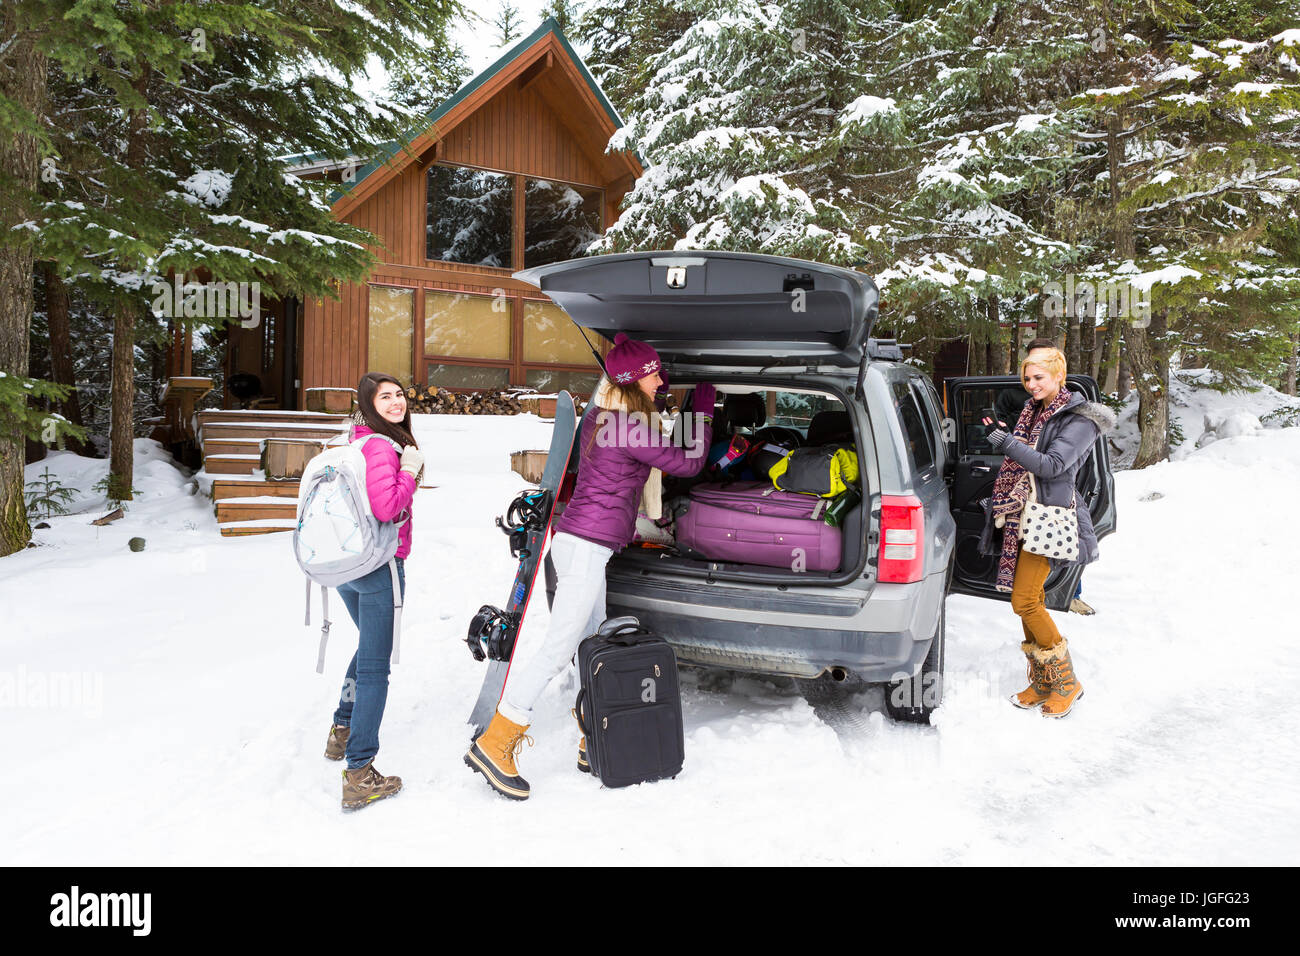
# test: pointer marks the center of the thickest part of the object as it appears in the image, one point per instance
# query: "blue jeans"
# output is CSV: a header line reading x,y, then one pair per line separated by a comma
x,y
369,601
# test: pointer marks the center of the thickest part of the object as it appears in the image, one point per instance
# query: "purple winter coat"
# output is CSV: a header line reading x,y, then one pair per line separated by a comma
x,y
611,475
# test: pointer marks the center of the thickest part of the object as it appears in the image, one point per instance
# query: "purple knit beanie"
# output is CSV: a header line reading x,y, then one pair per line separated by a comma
x,y
630,360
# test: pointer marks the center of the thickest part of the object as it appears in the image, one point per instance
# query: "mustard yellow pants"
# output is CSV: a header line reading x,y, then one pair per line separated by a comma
x,y
1030,601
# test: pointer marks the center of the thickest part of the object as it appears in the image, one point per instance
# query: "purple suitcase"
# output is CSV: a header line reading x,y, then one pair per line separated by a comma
x,y
750,522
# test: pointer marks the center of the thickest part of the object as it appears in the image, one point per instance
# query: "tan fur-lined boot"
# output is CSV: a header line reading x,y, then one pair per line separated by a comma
x,y
1065,687
1039,689
493,755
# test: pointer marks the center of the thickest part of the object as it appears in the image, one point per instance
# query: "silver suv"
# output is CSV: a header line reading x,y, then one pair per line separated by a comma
x,y
798,334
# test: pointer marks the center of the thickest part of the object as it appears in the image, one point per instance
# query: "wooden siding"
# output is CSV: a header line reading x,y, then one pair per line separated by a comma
x,y
516,131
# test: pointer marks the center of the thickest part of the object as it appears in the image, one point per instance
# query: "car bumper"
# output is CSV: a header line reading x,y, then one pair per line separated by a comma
x,y
882,638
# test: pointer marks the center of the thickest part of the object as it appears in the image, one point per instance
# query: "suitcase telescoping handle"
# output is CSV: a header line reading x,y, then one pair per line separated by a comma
x,y
616,627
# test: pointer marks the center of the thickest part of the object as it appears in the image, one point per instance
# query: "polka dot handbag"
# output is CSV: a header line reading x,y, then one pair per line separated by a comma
x,y
1049,530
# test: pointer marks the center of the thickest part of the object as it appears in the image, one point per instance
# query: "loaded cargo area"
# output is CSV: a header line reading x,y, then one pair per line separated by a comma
x,y
733,521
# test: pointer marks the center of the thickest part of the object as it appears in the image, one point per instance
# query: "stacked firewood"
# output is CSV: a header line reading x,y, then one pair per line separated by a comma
x,y
425,400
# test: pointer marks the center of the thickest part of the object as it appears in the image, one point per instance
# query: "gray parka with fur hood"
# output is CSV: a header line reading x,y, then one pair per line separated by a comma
x,y
1063,446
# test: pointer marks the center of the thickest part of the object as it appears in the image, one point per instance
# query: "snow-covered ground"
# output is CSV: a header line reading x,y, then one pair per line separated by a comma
x,y
161,707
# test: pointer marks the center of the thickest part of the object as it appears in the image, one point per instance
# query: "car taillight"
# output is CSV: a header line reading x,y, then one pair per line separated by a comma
x,y
902,539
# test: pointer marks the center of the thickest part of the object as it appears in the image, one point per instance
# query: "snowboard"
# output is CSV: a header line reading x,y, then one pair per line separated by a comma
x,y
493,632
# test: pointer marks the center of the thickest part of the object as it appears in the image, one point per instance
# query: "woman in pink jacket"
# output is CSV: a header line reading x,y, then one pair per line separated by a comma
x,y
391,479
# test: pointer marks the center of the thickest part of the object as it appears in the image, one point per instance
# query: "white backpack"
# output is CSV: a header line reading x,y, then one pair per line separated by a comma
x,y
338,538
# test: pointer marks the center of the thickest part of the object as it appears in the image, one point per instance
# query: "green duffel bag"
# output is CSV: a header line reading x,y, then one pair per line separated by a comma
x,y
824,470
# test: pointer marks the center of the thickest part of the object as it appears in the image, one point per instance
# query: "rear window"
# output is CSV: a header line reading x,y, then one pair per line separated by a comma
x,y
920,443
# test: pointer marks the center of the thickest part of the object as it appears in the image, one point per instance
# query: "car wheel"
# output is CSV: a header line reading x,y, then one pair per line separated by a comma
x,y
913,700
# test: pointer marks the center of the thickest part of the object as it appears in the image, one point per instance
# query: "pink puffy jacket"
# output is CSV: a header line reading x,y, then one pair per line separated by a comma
x,y
390,489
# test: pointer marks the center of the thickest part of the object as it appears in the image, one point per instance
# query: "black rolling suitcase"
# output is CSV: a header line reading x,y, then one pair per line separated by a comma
x,y
630,707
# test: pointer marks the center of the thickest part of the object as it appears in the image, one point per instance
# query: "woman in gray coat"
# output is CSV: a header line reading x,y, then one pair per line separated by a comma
x,y
1050,441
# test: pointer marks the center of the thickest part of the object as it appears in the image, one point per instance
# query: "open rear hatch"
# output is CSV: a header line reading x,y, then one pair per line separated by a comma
x,y
726,308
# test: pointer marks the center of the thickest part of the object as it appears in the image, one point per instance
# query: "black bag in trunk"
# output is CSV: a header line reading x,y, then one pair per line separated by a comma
x,y
630,707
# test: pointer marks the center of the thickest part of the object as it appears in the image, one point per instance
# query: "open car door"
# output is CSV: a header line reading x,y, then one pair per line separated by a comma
x,y
975,468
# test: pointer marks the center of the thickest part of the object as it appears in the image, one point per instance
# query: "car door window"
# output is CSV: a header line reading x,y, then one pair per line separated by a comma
x,y
928,399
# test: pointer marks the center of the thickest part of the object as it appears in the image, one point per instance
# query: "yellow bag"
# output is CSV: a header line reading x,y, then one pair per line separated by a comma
x,y
824,471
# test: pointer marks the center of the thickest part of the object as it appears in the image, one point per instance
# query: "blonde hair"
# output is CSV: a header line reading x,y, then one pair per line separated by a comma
x,y
1051,360
612,396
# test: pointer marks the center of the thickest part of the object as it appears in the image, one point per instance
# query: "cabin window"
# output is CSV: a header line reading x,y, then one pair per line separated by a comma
x,y
468,376
560,220
554,379
458,325
391,334
470,216
550,336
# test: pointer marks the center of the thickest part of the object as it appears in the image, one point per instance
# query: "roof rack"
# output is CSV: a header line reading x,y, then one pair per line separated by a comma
x,y
886,350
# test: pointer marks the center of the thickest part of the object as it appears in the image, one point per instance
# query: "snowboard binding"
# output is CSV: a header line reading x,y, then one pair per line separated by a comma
x,y
527,513
492,633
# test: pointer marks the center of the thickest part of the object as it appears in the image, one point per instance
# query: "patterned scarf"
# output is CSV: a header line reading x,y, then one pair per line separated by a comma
x,y
1011,490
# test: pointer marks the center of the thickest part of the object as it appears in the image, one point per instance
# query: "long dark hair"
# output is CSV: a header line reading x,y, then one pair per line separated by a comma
x,y
399,432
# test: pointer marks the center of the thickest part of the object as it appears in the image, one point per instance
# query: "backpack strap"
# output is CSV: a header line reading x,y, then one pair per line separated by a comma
x,y
397,610
325,628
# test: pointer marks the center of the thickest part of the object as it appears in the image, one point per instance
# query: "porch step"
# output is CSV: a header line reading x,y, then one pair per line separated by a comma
x,y
242,528
255,509
232,446
223,488
253,431
231,464
225,415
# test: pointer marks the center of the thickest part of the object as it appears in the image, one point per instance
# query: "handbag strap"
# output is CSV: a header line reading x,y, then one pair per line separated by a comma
x,y
1033,492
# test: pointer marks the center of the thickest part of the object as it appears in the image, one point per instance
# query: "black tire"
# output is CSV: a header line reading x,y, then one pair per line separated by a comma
x,y
913,700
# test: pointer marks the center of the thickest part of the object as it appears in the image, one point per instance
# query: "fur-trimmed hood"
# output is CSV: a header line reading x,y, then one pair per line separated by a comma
x,y
1101,415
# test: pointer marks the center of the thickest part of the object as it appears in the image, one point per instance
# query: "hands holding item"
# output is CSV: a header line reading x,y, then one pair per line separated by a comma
x,y
705,399
996,434
412,461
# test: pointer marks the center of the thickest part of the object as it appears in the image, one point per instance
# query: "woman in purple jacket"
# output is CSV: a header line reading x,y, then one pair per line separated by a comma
x,y
622,453
391,480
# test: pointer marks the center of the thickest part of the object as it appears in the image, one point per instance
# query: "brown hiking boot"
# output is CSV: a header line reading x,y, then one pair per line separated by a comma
x,y
1080,606
1065,688
365,785
583,765
493,755
1039,689
337,744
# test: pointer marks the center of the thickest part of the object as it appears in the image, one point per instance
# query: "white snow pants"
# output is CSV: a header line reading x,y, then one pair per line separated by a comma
x,y
578,610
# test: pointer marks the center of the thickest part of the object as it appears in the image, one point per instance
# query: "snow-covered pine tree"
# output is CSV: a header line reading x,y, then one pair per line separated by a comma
x,y
623,36
507,23
732,121
1193,139
169,161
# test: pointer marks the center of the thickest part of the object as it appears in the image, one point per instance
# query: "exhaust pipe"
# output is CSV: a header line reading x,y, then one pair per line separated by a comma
x,y
838,674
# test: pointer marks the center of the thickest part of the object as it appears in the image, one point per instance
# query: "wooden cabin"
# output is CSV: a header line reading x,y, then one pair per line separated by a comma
x,y
509,173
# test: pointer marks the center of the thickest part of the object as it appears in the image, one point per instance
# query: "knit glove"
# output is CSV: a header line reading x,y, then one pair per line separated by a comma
x,y
704,401
998,438
412,461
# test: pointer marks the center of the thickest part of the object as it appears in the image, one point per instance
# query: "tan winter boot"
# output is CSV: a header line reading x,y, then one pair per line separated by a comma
x,y
583,765
1065,688
337,744
365,785
493,755
1038,690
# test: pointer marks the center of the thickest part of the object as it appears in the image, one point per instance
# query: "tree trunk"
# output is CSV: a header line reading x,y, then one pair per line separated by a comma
x,y
1148,351
121,470
22,80
61,368
997,361
1291,363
